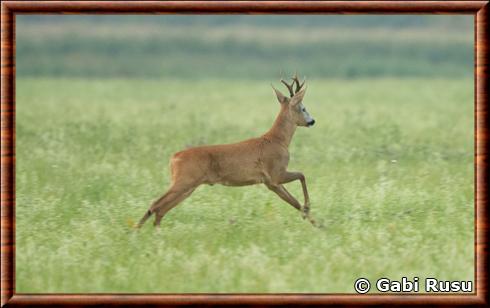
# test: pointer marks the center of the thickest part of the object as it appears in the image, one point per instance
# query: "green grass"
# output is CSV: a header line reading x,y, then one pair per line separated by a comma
x,y
389,166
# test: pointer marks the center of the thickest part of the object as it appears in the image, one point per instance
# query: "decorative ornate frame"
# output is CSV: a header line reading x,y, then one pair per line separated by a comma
x,y
9,9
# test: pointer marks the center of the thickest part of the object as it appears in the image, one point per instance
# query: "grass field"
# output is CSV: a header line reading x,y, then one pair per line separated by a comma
x,y
389,166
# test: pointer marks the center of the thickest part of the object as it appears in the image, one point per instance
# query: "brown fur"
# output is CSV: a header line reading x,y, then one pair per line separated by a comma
x,y
253,161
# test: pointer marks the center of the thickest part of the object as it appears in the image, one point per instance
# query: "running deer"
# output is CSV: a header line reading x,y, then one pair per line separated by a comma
x,y
253,161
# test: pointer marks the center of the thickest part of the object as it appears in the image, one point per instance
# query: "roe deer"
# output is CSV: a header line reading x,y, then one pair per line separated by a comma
x,y
253,161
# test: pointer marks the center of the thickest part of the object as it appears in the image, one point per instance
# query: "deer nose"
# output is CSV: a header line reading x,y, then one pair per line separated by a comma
x,y
311,123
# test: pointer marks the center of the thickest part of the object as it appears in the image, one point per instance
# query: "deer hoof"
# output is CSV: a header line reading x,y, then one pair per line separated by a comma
x,y
304,214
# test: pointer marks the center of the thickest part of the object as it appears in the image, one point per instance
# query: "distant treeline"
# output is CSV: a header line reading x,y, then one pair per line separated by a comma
x,y
393,21
260,47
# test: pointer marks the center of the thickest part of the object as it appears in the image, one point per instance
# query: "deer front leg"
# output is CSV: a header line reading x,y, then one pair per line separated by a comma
x,y
287,177
281,191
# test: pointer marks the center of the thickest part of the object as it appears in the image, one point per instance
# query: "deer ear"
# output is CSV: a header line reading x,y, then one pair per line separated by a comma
x,y
280,97
298,97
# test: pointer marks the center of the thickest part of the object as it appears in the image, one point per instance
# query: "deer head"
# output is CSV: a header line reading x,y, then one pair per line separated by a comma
x,y
293,105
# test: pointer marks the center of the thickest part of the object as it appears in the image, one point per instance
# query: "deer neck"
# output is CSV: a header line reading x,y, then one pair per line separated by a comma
x,y
282,130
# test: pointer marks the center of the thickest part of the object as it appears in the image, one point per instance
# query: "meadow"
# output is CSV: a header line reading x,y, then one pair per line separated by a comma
x,y
102,102
389,166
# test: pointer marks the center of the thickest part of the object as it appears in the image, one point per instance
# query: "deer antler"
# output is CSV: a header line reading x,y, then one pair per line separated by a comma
x,y
298,85
296,81
289,86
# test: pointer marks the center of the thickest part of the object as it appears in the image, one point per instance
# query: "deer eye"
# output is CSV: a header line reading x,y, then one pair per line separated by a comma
x,y
303,109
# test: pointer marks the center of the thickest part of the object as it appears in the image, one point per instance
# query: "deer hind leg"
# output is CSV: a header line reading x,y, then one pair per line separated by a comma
x,y
174,193
149,212
163,206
